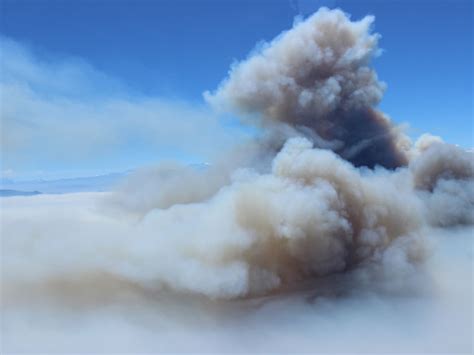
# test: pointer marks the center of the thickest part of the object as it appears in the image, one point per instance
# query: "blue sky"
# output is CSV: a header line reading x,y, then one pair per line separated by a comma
x,y
90,61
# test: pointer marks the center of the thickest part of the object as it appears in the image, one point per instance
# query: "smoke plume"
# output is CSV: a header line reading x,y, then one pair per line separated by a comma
x,y
303,211
331,199
317,76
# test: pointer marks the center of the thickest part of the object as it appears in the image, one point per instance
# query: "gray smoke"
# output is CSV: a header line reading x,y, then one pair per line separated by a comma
x,y
311,216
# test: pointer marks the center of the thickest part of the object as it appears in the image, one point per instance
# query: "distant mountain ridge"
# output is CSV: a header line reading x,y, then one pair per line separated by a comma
x,y
97,183
11,193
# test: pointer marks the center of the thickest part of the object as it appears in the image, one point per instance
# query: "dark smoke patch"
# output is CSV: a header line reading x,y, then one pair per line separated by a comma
x,y
369,139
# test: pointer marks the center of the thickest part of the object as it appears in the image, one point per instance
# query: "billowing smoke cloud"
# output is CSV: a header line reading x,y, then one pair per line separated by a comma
x,y
315,209
317,76
312,214
444,176
307,212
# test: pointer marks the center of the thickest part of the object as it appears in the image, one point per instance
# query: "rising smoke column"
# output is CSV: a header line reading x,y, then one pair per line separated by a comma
x,y
317,77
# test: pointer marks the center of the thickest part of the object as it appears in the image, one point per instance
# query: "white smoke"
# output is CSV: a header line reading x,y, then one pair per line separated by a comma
x,y
312,70
312,215
443,174
313,211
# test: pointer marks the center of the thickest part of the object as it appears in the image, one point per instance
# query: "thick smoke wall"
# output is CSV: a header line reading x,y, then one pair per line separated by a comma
x,y
244,228
312,214
263,219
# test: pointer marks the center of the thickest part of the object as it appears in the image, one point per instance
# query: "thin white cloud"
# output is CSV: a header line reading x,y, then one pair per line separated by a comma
x,y
66,111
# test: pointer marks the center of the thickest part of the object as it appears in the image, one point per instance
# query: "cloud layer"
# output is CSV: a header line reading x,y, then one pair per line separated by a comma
x,y
315,229
66,113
